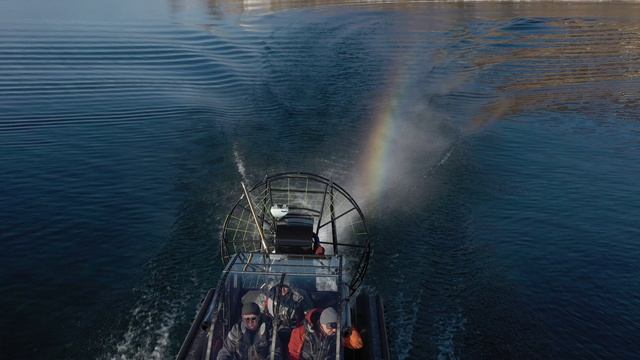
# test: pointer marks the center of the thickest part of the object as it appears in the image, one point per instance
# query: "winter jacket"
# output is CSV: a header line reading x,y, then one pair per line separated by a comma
x,y
308,342
287,309
243,344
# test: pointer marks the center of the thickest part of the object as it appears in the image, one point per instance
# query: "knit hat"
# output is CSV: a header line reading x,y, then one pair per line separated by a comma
x,y
250,309
329,315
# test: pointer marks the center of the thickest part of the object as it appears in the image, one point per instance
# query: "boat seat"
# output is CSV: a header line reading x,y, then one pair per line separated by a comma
x,y
294,235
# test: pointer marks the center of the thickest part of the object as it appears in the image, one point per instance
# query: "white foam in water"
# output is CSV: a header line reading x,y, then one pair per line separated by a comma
x,y
147,336
162,338
239,164
444,339
404,323
446,156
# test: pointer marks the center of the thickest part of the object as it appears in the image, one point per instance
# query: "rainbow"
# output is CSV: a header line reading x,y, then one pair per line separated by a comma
x,y
377,158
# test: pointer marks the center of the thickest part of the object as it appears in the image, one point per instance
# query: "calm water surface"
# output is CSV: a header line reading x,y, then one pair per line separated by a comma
x,y
493,147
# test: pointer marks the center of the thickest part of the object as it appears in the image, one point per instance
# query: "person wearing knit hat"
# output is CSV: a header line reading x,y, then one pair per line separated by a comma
x,y
250,338
285,304
316,338
329,321
250,309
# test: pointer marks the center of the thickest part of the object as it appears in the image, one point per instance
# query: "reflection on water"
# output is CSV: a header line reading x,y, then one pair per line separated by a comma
x,y
126,126
563,65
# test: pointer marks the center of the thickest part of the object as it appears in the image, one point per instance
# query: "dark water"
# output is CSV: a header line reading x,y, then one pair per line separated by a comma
x,y
506,226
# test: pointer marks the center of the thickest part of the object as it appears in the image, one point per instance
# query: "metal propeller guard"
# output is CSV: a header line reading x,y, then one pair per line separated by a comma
x,y
296,212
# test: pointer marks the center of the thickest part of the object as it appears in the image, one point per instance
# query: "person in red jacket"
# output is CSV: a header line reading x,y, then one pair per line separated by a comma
x,y
316,338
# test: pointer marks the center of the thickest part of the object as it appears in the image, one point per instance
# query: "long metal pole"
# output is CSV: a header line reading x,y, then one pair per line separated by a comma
x,y
255,218
334,232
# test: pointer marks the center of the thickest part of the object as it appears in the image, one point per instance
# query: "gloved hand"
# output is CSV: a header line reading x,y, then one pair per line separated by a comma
x,y
352,339
347,331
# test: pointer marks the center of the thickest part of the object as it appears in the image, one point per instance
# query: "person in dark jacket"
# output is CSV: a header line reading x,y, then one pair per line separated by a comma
x,y
251,338
285,303
316,338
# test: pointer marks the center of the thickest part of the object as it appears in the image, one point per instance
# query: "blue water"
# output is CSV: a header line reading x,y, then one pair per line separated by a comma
x,y
508,228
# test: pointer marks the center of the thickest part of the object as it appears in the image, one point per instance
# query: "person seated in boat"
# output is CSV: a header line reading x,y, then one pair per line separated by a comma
x,y
286,304
316,338
251,338
317,248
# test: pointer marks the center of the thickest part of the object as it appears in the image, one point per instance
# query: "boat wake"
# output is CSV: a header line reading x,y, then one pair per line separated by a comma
x,y
446,156
405,322
239,163
148,334
446,331
155,340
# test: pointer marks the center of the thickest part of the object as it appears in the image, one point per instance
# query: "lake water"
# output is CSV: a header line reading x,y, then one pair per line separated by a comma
x,y
493,147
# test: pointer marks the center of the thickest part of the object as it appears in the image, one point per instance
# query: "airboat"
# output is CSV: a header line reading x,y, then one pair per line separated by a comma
x,y
306,230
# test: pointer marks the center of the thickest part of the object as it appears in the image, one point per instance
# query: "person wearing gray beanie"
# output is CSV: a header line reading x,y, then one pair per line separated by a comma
x,y
316,339
329,318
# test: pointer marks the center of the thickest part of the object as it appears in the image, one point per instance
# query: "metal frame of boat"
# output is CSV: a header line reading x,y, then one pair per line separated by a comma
x,y
272,234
